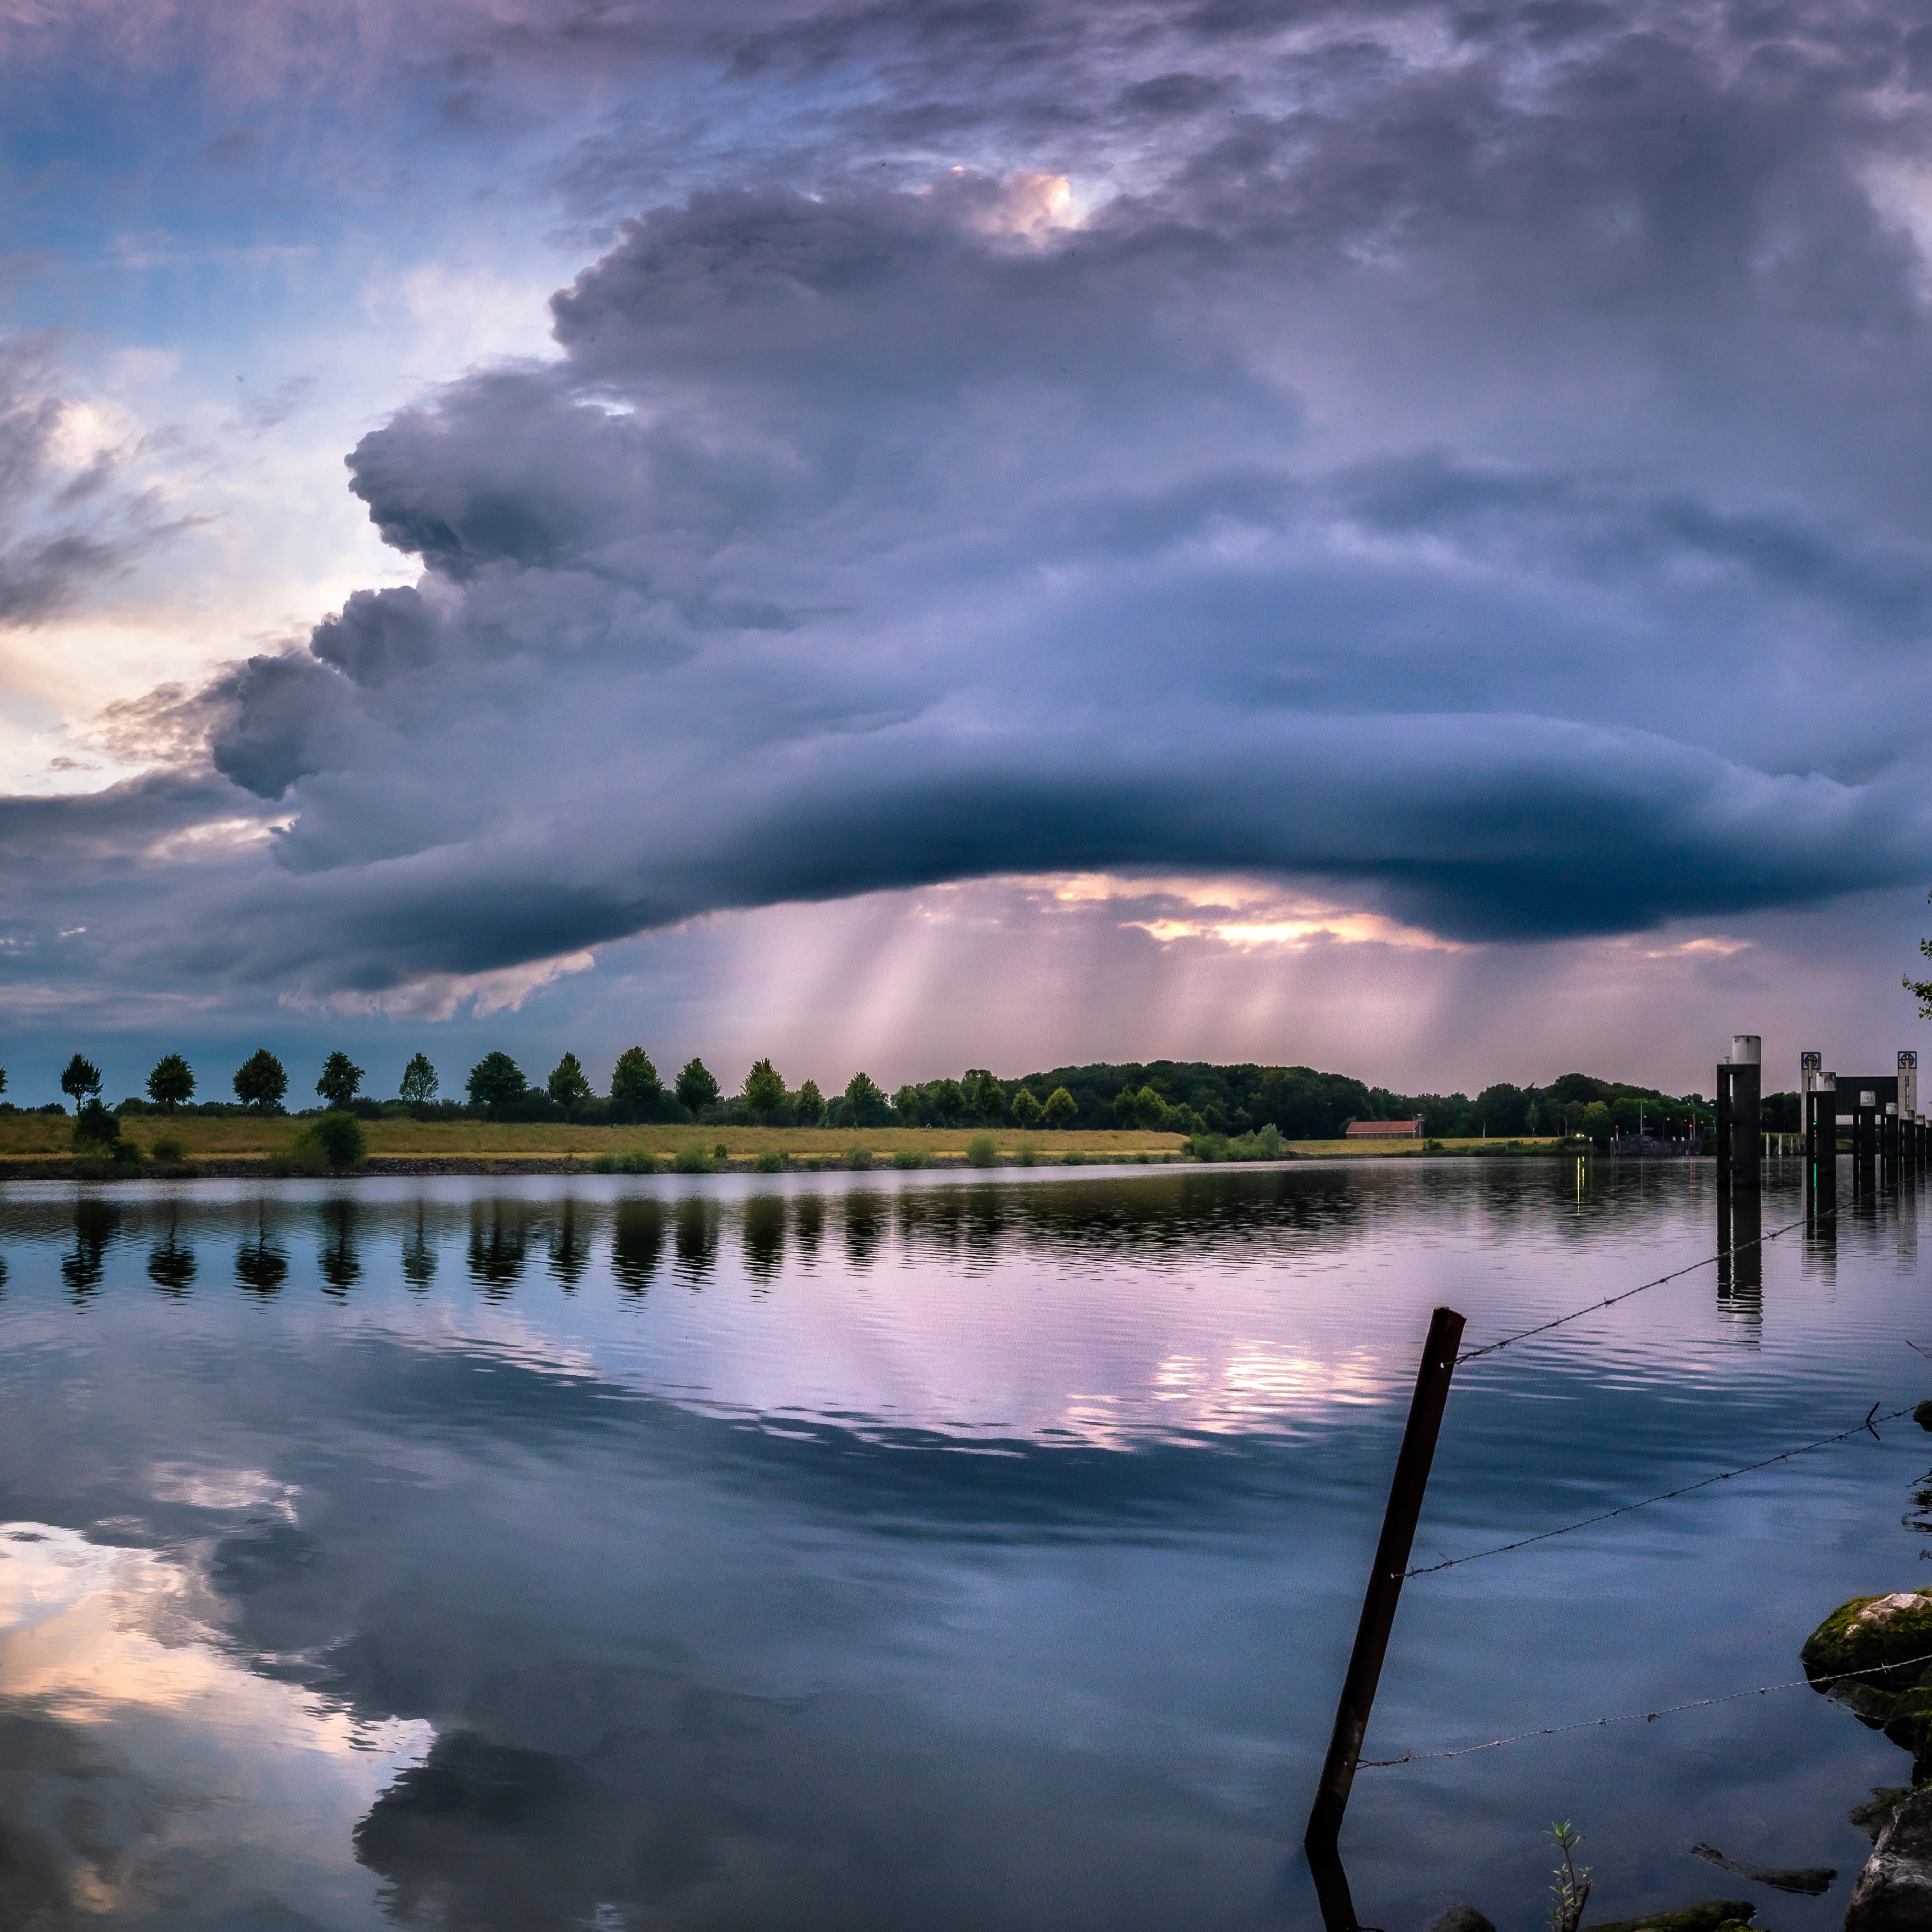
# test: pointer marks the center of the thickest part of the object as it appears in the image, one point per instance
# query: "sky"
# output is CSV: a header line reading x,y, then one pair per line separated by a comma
x,y
1391,537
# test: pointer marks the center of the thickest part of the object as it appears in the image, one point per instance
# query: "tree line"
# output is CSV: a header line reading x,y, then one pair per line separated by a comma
x,y
1177,1097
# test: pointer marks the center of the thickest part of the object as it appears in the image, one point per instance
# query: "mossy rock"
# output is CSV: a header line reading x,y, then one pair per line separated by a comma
x,y
1874,1635
1714,1915
1872,1816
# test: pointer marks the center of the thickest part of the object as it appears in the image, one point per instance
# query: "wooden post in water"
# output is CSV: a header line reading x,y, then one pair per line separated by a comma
x,y
1372,1635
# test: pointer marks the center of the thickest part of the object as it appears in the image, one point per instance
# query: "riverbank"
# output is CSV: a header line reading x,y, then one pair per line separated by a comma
x,y
39,1147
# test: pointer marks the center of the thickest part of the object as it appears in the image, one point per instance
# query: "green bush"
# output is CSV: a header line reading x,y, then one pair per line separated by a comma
x,y
691,1159
1075,1158
328,1145
1029,1155
720,1152
859,1160
170,1150
604,1163
980,1151
639,1160
910,1157
96,1130
770,1162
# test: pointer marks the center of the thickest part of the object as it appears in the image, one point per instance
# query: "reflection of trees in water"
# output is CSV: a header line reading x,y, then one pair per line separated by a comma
x,y
96,1224
337,1255
764,1236
569,1245
499,1242
698,1217
637,1243
864,1227
418,1257
171,1266
261,1267
808,1225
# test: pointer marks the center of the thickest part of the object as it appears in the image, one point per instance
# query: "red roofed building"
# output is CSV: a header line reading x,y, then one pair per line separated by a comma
x,y
1385,1130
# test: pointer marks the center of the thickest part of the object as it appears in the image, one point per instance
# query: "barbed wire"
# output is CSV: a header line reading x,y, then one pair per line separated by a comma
x,y
1611,1301
1636,1717
1667,1495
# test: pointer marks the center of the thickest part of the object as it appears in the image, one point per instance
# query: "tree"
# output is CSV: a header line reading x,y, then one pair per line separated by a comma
x,y
3,1079
1596,1120
635,1087
946,1101
261,1081
567,1085
1026,1110
1149,1110
495,1081
906,1106
764,1088
81,1081
1060,1109
419,1082
984,1094
340,1078
809,1108
865,1100
171,1082
696,1087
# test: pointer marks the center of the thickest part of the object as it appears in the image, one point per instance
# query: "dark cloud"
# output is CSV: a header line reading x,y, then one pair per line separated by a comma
x,y
1490,479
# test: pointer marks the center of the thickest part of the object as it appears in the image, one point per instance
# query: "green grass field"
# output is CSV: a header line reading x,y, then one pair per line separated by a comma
x,y
35,1136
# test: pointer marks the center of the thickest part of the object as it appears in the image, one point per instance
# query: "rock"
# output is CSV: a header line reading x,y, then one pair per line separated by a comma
x,y
1462,1919
1872,1816
1922,1414
1869,1634
1805,1881
1893,1893
1714,1915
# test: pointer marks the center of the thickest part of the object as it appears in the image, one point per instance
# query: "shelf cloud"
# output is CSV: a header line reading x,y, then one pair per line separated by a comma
x,y
1478,470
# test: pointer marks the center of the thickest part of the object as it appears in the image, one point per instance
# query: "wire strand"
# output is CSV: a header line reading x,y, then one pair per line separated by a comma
x,y
1634,1717
1611,1301
1625,1509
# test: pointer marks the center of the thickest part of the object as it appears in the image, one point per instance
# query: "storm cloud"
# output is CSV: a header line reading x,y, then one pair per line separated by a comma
x,y
1478,466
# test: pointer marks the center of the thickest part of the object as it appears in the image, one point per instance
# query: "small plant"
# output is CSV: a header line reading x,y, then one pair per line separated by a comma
x,y
691,1159
335,1141
720,1152
639,1160
168,1150
859,1160
910,1157
1571,1892
1028,1155
1074,1157
980,1151
604,1163
770,1162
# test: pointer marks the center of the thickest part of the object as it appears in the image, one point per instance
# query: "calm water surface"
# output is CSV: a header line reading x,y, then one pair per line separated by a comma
x,y
906,1553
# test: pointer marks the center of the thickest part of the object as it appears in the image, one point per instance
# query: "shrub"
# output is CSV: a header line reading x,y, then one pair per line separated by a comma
x,y
604,1163
691,1159
639,1160
859,1160
96,1129
770,1162
720,1152
333,1141
980,1151
170,1150
1029,1156
912,1157
1075,1159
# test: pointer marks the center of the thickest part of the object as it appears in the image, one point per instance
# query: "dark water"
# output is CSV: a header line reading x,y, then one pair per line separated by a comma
x,y
865,1552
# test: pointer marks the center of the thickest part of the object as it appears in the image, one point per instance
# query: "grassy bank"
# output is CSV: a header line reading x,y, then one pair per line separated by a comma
x,y
30,1136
